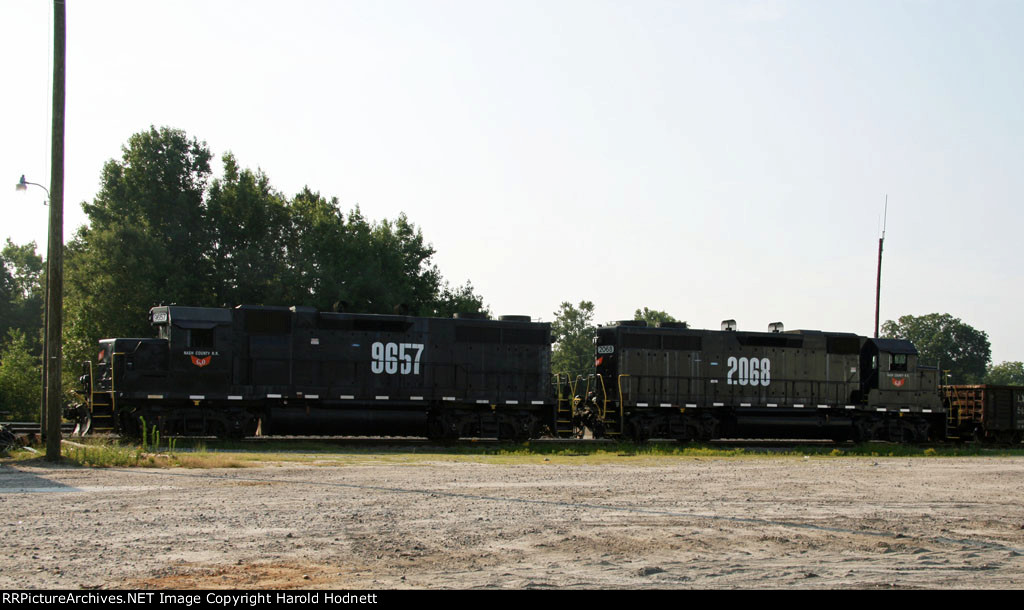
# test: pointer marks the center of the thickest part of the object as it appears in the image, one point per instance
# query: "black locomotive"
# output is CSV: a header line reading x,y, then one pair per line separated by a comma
x,y
288,371
296,371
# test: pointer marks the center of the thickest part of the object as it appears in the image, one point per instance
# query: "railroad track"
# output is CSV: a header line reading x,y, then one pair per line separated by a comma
x,y
351,441
380,441
30,427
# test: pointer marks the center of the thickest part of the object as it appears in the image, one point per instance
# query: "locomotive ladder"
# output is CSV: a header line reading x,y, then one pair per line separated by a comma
x,y
565,409
965,407
611,410
100,406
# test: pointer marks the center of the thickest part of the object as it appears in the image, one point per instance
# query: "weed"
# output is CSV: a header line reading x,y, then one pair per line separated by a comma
x,y
102,455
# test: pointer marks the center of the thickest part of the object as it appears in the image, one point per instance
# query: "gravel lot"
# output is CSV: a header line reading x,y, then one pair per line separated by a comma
x,y
657,523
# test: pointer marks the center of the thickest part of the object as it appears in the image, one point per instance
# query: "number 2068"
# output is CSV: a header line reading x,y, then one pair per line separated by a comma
x,y
749,371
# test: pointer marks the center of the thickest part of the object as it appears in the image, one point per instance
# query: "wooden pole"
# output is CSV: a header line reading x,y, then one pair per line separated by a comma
x,y
55,242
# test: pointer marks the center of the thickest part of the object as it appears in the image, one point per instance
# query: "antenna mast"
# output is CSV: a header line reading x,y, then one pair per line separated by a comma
x,y
878,281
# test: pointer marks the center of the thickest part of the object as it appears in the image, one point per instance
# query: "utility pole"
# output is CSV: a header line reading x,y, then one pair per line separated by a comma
x,y
55,241
878,281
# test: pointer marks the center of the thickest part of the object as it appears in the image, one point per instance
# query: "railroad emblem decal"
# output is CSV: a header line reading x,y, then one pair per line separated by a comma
x,y
201,358
898,381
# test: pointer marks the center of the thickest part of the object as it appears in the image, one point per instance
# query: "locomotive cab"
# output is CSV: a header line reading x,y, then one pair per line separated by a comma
x,y
198,343
124,363
891,375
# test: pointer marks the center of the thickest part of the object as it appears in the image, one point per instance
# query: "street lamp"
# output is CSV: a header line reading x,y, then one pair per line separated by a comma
x,y
23,186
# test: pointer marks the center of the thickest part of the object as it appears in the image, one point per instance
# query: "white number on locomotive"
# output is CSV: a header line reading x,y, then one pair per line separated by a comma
x,y
749,371
392,358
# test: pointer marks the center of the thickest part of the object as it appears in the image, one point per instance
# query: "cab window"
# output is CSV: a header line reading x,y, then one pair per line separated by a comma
x,y
200,337
898,362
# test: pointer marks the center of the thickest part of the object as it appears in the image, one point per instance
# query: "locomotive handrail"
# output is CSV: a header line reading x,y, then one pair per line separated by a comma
x,y
571,385
621,399
92,388
113,376
572,391
659,388
604,397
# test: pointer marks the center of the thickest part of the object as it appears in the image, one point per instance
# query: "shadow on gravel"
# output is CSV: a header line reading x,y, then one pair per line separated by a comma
x,y
15,480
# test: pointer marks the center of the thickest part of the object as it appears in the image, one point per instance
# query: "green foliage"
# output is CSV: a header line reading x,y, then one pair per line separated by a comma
x,y
146,243
21,292
352,264
573,337
460,299
945,341
20,379
249,224
151,438
1006,373
163,231
103,455
653,316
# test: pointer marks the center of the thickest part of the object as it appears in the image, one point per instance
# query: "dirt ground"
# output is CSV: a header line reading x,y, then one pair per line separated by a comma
x,y
663,523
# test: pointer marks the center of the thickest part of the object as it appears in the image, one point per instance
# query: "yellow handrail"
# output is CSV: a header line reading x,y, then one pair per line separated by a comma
x,y
621,399
604,397
113,375
92,387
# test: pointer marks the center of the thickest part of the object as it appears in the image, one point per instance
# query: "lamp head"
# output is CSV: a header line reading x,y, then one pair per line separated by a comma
x,y
22,185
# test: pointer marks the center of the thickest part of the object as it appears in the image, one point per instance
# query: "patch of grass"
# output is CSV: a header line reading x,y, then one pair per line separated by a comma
x,y
205,453
107,454
210,460
103,455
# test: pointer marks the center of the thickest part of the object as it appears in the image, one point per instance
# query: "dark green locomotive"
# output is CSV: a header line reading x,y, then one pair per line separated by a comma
x,y
689,384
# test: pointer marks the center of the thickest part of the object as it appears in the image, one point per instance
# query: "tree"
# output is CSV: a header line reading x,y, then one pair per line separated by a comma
x,y
249,224
653,316
402,258
157,191
21,292
20,373
573,335
1006,373
369,267
460,299
945,341
147,242
161,231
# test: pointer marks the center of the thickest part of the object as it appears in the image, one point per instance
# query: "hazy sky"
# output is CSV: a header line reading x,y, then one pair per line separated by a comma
x,y
714,159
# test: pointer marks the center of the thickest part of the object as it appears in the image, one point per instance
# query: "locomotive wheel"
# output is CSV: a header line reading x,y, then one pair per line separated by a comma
x,y
440,429
841,436
638,430
864,430
83,422
130,426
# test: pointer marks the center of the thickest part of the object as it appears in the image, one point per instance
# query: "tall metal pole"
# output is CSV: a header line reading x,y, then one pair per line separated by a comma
x,y
878,281
55,242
